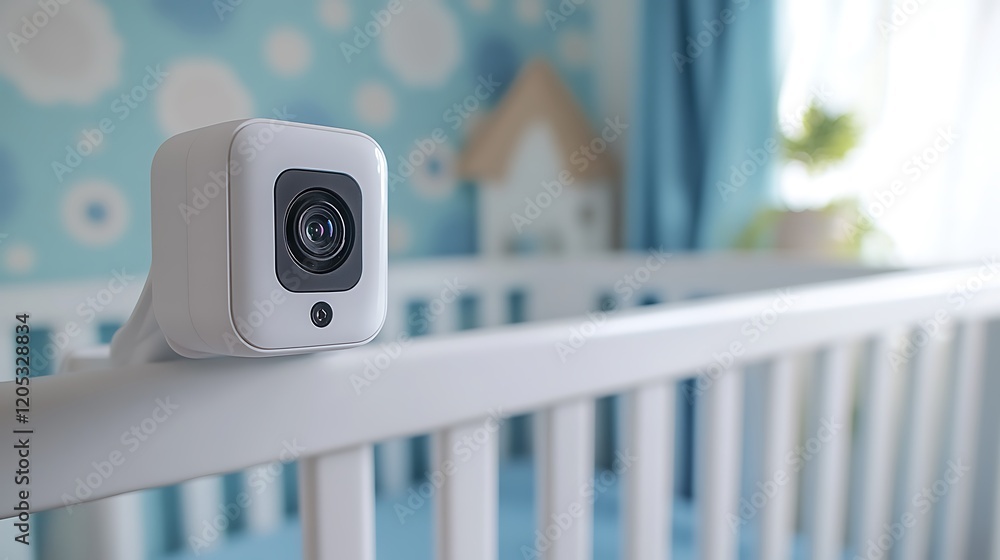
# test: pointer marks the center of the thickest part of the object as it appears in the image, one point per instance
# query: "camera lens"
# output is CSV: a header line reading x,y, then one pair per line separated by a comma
x,y
321,314
319,231
322,230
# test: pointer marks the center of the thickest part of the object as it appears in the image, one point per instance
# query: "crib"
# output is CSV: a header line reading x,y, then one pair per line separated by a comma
x,y
638,406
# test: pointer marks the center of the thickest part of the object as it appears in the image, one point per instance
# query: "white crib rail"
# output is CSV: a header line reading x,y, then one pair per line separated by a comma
x,y
233,414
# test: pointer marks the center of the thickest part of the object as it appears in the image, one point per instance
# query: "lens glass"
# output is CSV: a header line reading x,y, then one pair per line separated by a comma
x,y
320,231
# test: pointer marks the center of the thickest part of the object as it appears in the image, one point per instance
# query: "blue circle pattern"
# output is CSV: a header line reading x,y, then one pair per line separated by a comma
x,y
195,16
97,212
441,222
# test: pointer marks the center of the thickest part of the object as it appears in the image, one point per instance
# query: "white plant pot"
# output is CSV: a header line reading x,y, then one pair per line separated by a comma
x,y
809,232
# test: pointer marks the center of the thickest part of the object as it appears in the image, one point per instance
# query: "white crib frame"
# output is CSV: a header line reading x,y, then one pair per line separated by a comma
x,y
448,385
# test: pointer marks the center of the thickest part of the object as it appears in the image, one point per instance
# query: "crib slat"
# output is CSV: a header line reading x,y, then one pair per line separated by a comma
x,y
443,313
777,523
564,450
877,447
719,458
649,426
202,500
495,309
920,459
395,459
832,461
467,502
109,529
337,505
962,438
264,485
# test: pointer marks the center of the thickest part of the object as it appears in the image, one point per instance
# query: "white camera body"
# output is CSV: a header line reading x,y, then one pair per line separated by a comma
x,y
245,218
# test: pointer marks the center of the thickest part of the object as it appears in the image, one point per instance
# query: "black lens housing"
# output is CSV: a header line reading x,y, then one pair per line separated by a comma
x,y
319,231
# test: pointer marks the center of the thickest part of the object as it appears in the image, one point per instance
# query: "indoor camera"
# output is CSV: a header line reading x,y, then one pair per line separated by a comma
x,y
269,238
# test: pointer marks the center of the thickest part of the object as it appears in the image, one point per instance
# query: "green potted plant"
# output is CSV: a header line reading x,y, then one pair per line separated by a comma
x,y
838,229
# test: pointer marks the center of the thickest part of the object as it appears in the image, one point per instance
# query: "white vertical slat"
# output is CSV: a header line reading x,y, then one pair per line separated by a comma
x,y
264,485
447,315
7,534
493,311
394,467
962,437
564,450
781,431
202,501
719,458
832,462
920,457
648,484
109,529
878,431
121,528
467,502
337,505
493,307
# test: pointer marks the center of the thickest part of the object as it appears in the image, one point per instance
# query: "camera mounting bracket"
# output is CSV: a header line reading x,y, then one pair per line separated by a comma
x,y
141,340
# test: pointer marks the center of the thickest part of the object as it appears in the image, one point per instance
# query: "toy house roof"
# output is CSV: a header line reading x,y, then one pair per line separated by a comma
x,y
537,95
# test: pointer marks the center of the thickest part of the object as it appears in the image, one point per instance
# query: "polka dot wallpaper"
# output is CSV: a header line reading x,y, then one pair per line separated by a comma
x,y
90,88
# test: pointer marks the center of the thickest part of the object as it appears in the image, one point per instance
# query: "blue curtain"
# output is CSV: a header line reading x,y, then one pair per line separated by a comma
x,y
705,140
705,119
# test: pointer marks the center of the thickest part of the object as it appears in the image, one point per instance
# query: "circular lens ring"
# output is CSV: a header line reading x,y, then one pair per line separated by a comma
x,y
319,259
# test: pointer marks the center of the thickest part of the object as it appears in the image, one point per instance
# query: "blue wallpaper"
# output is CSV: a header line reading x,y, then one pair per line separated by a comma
x,y
91,89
